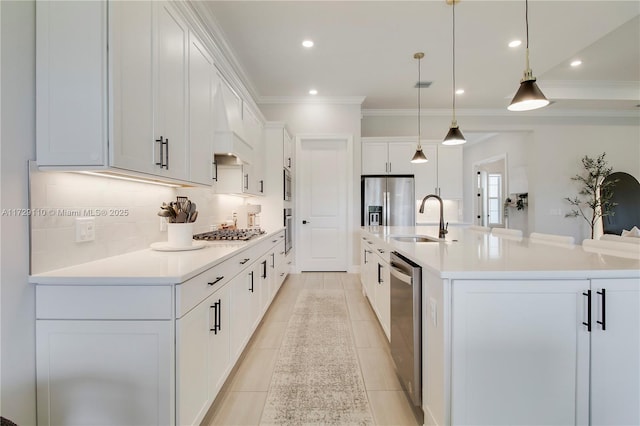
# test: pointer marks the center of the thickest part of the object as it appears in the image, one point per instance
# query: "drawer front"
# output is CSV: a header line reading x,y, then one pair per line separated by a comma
x,y
198,288
104,302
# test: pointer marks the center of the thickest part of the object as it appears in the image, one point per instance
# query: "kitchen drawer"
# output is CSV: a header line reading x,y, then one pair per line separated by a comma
x,y
198,288
98,302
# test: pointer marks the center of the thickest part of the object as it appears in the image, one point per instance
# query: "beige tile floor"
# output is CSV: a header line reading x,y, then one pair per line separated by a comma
x,y
244,394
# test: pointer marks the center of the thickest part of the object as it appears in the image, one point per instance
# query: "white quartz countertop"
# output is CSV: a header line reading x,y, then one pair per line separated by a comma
x,y
148,267
468,254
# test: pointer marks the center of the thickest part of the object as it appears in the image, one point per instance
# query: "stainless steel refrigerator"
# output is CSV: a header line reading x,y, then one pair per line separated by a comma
x,y
388,201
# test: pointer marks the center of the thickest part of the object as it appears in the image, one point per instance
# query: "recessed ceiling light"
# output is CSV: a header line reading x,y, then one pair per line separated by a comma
x,y
307,43
459,91
313,92
515,43
576,63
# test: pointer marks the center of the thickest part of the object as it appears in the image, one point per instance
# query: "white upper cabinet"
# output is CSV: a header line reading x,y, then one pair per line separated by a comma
x,y
71,83
171,93
386,157
287,149
202,86
132,64
127,86
442,174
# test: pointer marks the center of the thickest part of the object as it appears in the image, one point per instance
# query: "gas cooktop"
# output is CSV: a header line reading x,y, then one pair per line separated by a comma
x,y
229,234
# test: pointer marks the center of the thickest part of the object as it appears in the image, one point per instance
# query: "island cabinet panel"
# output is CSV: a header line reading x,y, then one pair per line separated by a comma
x,y
375,276
520,352
615,352
105,372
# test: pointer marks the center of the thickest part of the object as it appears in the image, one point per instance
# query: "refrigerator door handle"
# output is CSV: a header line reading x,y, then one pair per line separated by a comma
x,y
387,208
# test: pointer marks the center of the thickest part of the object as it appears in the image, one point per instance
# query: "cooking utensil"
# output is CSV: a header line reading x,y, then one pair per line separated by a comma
x,y
194,216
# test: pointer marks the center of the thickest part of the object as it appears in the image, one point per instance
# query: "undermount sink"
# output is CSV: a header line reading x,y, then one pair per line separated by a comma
x,y
415,239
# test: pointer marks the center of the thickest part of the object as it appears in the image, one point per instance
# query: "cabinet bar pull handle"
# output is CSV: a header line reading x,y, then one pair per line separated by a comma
x,y
251,288
219,314
242,262
166,147
161,142
217,280
603,293
246,181
379,273
273,260
214,171
588,323
264,269
212,327
289,162
261,186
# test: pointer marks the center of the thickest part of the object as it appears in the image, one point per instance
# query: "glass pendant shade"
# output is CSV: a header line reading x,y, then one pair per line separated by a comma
x,y
528,97
419,156
455,136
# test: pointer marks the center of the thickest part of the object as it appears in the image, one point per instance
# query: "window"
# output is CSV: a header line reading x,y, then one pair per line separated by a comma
x,y
494,198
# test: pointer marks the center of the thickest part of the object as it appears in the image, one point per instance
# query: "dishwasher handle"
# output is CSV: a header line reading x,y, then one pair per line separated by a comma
x,y
400,274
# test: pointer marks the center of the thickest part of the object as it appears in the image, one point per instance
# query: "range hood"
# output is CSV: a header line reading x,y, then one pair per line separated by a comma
x,y
227,140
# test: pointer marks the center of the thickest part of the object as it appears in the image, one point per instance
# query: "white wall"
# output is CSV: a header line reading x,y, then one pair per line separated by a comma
x,y
326,119
549,150
18,146
515,147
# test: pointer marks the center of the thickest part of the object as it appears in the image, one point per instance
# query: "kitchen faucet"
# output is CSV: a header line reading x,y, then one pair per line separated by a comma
x,y
442,231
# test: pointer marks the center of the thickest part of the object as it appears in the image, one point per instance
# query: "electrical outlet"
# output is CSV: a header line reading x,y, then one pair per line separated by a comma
x,y
85,229
163,224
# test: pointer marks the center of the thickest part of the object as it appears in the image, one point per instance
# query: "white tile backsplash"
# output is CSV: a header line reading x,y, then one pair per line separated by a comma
x,y
65,196
130,223
452,211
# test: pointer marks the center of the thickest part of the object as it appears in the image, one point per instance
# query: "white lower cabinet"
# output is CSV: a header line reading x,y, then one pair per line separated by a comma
x,y
561,352
382,284
148,354
375,277
202,345
519,354
104,372
615,352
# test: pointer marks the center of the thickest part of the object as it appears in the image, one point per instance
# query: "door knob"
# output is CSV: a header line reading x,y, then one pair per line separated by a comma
x,y
304,222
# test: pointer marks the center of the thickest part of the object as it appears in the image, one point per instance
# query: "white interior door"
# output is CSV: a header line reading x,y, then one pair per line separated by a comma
x,y
322,219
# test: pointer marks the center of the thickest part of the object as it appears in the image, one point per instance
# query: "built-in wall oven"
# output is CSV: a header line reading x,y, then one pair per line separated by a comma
x,y
288,230
287,185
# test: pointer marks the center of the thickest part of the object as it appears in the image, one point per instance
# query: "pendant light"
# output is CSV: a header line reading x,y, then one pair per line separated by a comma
x,y
419,156
529,96
454,136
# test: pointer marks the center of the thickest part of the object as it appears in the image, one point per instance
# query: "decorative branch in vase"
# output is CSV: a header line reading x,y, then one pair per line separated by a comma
x,y
595,193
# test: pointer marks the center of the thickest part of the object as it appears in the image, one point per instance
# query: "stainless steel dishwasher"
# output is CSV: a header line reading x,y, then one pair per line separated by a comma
x,y
406,328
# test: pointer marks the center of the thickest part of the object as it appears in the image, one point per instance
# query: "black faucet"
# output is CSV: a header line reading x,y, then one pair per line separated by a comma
x,y
442,231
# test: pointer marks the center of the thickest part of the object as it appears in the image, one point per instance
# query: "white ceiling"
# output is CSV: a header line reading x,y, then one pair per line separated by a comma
x,y
365,48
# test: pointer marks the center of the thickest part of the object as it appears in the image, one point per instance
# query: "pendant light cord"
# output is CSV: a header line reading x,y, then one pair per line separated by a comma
x,y
526,24
453,9
419,89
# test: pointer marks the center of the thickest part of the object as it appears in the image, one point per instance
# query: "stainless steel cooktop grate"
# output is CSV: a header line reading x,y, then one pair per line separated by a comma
x,y
229,234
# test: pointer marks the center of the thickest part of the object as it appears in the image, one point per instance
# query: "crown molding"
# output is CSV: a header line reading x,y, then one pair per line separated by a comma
x,y
225,60
591,90
341,100
543,112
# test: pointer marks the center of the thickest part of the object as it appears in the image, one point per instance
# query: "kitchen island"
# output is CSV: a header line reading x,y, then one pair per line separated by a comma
x,y
520,332
149,337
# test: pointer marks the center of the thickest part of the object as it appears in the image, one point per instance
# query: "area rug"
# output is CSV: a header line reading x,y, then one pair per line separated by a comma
x,y
317,379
